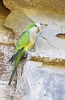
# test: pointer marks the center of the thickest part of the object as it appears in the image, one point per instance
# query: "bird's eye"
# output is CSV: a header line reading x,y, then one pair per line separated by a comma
x,y
35,25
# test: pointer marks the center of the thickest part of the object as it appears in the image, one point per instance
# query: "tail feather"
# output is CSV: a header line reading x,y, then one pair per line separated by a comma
x,y
15,56
12,75
12,59
16,62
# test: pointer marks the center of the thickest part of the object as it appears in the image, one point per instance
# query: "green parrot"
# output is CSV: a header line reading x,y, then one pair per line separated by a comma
x,y
25,44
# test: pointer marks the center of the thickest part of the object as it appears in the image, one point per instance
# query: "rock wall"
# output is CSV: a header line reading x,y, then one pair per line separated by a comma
x,y
42,75
57,6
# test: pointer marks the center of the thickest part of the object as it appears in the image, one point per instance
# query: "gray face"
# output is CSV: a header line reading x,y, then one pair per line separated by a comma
x,y
36,28
34,32
38,25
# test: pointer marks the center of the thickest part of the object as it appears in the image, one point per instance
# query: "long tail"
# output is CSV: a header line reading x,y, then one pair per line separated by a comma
x,y
16,62
12,75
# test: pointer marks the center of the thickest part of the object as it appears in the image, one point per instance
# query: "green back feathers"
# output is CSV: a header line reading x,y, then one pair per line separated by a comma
x,y
24,38
30,26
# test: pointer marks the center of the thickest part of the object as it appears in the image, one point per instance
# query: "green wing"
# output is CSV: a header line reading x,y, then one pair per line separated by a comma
x,y
23,41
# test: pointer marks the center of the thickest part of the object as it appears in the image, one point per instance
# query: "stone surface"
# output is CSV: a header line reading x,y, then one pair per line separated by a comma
x,y
44,16
57,6
52,43
17,23
41,83
42,74
6,51
3,10
6,35
6,92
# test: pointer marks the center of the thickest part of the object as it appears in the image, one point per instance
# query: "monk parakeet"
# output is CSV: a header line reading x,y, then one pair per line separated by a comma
x,y
25,43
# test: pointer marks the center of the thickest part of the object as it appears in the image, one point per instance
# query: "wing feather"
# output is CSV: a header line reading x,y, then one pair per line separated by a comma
x,y
23,41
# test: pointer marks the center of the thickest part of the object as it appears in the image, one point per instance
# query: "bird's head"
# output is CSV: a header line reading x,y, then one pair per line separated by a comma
x,y
34,27
37,27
